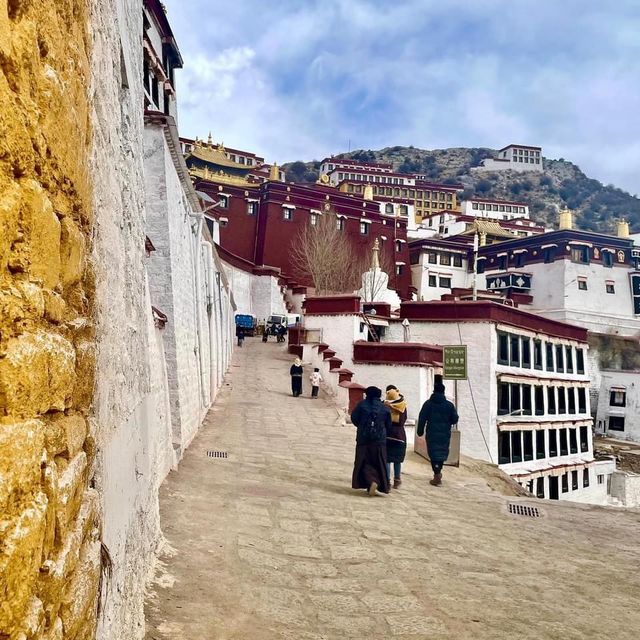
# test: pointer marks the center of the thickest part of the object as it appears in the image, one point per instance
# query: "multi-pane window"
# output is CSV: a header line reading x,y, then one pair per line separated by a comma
x,y
340,224
549,350
585,478
526,400
457,260
584,439
549,254
573,440
503,348
571,400
537,354
433,282
364,228
580,361
252,207
553,443
223,202
610,287
580,254
445,259
564,443
617,398
616,423
432,258
562,400
540,444
559,358
445,282
582,400
565,483
574,480
526,353
538,397
313,219
551,400
514,359
582,284
569,358
287,214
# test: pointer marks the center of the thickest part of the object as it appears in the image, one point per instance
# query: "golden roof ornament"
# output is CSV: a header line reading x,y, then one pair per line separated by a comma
x,y
210,140
274,174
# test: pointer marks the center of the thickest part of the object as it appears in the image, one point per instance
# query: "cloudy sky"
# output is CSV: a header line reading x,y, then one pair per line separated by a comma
x,y
301,79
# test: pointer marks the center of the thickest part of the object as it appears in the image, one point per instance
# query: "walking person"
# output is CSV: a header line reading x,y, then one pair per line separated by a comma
x,y
296,377
437,415
373,421
397,436
315,379
240,335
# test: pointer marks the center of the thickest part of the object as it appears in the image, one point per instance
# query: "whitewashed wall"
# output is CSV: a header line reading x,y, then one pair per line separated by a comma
x,y
630,380
414,382
259,296
625,487
339,332
133,399
130,411
555,292
481,387
176,288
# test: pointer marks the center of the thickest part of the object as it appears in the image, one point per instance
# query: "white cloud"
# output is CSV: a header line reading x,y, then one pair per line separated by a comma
x,y
297,80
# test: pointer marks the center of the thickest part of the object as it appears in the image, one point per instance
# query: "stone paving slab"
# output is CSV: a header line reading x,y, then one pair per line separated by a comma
x,y
272,543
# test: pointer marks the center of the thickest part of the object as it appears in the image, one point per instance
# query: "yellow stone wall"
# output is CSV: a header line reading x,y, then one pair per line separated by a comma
x,y
49,517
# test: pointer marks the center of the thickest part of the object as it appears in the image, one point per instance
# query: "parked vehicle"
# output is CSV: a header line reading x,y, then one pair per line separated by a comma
x,y
247,323
275,321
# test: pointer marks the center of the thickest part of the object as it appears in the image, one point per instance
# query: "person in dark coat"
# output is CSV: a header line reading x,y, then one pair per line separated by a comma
x,y
438,415
296,377
373,421
240,335
397,436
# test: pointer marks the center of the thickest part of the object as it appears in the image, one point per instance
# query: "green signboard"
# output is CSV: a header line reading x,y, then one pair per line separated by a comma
x,y
455,362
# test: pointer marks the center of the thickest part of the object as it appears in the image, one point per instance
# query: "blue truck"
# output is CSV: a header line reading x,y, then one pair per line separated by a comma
x,y
247,323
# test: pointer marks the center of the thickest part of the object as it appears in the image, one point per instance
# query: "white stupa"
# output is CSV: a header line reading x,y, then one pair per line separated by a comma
x,y
375,283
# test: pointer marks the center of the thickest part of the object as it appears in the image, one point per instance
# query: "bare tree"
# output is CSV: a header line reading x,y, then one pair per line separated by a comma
x,y
323,254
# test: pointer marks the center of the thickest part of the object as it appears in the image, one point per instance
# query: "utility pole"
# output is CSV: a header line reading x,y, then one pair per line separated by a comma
x,y
475,267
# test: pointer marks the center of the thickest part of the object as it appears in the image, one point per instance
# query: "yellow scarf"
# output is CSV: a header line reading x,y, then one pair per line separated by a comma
x,y
396,403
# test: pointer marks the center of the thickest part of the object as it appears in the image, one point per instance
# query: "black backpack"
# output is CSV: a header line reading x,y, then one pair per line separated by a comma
x,y
373,428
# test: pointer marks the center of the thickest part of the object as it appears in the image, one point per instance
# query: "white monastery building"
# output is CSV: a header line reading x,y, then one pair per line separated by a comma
x,y
525,404
516,157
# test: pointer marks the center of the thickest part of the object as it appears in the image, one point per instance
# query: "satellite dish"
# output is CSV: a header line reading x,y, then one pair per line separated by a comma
x,y
205,197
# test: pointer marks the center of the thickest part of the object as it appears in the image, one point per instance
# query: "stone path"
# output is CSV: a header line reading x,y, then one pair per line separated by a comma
x,y
272,542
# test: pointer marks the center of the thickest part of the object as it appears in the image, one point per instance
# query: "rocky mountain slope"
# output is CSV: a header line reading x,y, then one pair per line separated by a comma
x,y
562,183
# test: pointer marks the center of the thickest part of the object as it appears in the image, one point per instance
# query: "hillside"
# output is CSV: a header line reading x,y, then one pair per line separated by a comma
x,y
561,184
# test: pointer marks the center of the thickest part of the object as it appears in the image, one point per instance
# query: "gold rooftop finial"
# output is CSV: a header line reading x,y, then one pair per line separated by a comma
x,y
623,228
210,139
274,174
375,260
565,219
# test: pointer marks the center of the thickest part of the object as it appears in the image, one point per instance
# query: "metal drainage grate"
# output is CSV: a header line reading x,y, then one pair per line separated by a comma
x,y
524,510
217,454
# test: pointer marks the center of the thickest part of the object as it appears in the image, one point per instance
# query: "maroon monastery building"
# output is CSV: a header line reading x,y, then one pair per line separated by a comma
x,y
260,216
